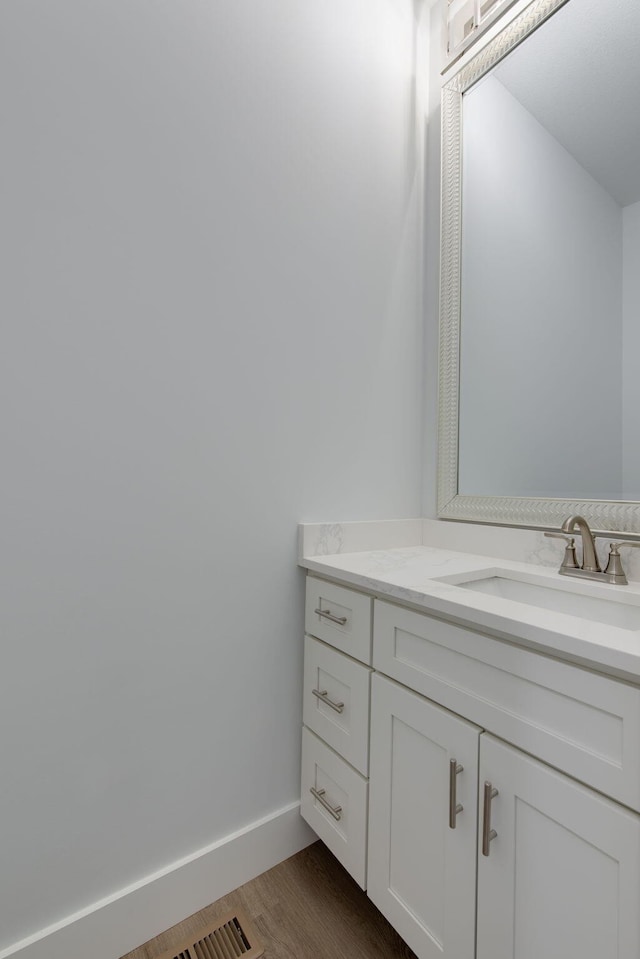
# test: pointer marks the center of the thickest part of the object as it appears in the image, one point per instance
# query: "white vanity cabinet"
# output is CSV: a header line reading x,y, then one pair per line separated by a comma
x,y
503,799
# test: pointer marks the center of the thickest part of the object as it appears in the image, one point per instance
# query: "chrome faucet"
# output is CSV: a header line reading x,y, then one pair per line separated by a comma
x,y
590,568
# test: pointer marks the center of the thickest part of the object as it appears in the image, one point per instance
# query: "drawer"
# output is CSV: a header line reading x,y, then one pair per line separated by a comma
x,y
340,617
341,789
340,715
584,724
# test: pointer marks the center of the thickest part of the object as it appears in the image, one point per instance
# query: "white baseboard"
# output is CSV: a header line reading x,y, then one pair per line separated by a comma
x,y
114,926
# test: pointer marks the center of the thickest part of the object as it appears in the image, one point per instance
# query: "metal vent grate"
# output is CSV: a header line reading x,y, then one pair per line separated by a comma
x,y
230,937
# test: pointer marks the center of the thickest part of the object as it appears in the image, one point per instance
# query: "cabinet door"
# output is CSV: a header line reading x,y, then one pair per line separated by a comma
x,y
422,872
562,878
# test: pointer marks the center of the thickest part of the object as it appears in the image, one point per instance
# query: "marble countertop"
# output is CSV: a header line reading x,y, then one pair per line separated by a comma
x,y
412,574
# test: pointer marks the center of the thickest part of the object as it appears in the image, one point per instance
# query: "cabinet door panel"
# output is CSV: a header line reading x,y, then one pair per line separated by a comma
x,y
422,873
562,879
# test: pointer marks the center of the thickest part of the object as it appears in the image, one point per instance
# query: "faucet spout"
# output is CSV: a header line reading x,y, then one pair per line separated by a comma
x,y
589,556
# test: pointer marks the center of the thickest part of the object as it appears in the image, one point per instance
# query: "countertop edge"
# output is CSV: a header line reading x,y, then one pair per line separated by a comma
x,y
611,659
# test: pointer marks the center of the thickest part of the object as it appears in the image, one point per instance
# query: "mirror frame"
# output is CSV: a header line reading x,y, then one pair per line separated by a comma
x,y
539,513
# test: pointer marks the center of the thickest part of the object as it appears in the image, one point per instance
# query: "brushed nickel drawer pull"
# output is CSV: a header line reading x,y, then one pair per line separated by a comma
x,y
454,807
335,811
323,696
487,832
340,620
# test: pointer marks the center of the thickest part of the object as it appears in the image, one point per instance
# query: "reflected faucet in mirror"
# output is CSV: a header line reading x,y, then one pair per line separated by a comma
x,y
590,569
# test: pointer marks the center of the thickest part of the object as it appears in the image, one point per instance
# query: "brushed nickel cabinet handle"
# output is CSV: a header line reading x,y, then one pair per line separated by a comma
x,y
323,696
335,811
487,832
340,620
454,806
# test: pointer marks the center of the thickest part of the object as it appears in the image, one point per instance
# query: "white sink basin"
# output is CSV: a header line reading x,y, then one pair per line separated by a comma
x,y
621,611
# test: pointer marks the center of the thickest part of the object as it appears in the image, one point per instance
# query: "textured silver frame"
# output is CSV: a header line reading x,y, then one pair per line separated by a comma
x,y
538,513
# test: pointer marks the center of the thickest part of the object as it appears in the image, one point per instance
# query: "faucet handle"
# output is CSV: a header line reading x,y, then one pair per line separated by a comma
x,y
570,560
614,566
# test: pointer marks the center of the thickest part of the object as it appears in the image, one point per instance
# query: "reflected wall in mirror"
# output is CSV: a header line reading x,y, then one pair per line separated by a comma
x,y
540,311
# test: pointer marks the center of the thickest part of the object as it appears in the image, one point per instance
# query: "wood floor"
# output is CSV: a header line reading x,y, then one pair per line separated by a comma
x,y
305,908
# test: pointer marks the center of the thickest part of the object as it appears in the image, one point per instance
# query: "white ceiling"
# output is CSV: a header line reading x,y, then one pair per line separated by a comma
x,y
579,75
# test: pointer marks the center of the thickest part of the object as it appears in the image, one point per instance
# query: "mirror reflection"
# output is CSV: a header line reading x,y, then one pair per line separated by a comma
x,y
550,298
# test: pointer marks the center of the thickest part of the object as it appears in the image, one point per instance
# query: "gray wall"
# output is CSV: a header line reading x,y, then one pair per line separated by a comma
x,y
211,331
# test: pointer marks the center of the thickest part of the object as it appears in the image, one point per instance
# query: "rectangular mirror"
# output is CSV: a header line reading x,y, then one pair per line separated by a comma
x,y
540,285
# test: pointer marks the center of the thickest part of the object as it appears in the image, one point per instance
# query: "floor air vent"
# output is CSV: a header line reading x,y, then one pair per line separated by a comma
x,y
231,937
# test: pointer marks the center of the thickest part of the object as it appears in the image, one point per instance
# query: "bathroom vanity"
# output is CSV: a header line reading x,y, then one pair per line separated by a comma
x,y
473,759
471,741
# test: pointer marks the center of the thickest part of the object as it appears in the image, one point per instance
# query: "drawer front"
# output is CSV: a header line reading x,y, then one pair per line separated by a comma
x,y
340,617
336,701
338,787
585,724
